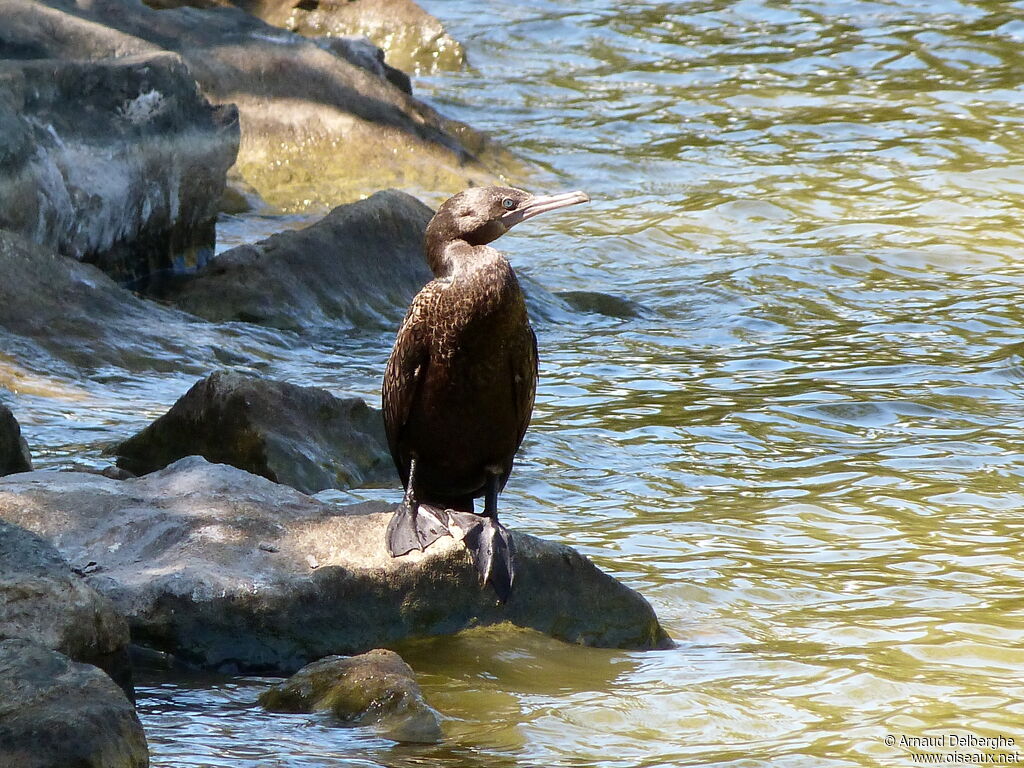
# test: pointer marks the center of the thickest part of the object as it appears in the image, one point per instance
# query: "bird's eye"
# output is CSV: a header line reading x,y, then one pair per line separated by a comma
x,y
508,203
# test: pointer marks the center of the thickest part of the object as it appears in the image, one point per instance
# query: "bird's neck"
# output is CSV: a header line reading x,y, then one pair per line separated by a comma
x,y
457,259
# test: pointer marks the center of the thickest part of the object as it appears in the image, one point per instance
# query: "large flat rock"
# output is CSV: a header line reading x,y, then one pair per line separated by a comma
x,y
229,571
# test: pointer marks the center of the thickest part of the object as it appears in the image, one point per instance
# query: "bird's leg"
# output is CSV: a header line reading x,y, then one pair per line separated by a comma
x,y
491,494
414,525
491,545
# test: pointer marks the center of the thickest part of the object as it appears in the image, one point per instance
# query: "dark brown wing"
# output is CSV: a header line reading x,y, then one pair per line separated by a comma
x,y
404,374
525,379
524,387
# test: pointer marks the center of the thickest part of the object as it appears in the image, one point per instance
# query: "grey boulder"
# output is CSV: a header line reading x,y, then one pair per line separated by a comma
x,y
376,688
316,129
14,453
300,436
121,162
360,265
56,713
42,600
229,571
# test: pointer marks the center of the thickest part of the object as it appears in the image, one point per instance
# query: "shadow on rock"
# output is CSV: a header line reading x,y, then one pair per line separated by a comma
x,y
62,316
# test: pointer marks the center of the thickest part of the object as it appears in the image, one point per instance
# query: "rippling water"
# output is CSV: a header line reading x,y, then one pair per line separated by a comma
x,y
807,450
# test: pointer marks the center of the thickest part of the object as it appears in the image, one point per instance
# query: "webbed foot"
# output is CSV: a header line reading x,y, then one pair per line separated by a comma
x,y
415,526
491,547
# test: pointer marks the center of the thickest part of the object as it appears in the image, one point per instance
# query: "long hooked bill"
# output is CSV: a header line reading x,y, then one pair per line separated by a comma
x,y
542,204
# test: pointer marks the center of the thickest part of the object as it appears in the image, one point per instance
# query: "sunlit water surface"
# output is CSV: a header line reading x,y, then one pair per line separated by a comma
x,y
806,453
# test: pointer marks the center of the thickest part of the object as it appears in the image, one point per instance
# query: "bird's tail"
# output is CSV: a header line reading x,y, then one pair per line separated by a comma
x,y
492,549
415,526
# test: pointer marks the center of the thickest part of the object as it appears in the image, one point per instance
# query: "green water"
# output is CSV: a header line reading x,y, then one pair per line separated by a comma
x,y
809,455
807,451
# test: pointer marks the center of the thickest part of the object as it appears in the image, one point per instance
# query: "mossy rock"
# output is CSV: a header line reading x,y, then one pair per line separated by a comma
x,y
377,688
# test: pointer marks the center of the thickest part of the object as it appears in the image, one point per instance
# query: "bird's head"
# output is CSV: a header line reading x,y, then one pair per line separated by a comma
x,y
480,215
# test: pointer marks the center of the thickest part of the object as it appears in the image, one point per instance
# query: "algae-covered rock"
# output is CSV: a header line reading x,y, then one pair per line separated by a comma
x,y
316,129
300,436
413,40
602,304
377,687
56,713
14,453
229,571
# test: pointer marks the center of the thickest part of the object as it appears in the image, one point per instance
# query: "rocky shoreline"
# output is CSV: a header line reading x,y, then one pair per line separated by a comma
x,y
125,131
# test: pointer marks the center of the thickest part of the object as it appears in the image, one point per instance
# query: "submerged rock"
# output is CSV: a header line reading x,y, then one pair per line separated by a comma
x,y
376,688
300,436
361,265
602,304
14,453
42,600
120,162
56,713
316,129
229,571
